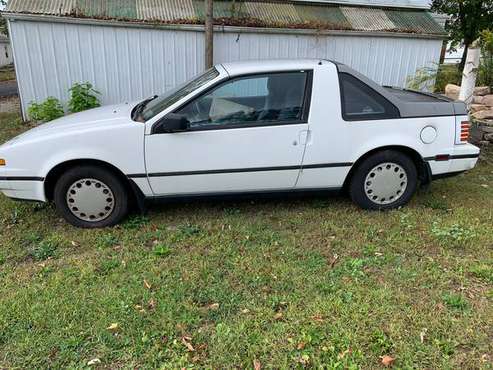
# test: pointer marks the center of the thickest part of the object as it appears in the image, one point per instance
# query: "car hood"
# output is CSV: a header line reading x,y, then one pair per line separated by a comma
x,y
91,119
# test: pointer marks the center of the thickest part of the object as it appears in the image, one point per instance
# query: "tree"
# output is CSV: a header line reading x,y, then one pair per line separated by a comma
x,y
3,21
467,19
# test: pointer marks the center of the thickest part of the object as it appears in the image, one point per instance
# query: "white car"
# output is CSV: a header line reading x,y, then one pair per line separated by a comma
x,y
266,126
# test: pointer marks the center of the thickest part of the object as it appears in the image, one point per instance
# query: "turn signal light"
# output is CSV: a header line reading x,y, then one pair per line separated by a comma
x,y
3,162
464,131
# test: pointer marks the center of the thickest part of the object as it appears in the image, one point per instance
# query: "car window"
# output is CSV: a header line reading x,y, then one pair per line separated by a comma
x,y
156,106
360,102
275,98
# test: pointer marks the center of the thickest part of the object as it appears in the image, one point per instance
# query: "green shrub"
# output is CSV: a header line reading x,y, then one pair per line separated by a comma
x,y
485,73
434,78
46,111
83,97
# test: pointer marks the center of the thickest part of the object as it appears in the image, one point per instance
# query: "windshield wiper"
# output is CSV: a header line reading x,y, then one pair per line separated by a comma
x,y
141,106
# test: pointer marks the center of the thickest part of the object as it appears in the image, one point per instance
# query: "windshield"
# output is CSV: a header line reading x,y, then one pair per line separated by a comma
x,y
158,104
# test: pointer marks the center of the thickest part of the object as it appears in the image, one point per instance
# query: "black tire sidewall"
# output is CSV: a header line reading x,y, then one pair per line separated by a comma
x,y
357,185
82,172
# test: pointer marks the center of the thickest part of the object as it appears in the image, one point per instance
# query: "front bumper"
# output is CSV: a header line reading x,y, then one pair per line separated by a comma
x,y
463,158
23,188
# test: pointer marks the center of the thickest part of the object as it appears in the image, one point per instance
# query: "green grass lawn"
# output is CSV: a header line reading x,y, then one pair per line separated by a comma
x,y
279,283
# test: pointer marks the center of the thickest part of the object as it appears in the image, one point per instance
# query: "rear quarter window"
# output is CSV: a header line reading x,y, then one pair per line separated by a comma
x,y
362,103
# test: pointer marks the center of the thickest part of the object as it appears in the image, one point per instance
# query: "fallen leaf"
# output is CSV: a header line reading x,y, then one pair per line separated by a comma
x,y
343,354
334,260
186,343
113,327
74,244
387,360
256,364
422,335
278,316
300,346
94,361
245,311
147,285
485,186
318,318
152,304
213,307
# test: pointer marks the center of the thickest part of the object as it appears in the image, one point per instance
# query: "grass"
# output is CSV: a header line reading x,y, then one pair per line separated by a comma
x,y
300,283
7,73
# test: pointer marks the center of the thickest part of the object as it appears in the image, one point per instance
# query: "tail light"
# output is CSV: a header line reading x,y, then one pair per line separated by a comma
x,y
464,131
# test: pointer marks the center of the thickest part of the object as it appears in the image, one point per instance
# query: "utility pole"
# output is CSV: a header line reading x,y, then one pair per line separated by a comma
x,y
209,34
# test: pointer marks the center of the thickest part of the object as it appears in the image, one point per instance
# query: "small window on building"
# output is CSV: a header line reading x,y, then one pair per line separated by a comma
x,y
361,103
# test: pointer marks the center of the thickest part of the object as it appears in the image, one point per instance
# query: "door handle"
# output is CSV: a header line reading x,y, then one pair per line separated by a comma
x,y
305,137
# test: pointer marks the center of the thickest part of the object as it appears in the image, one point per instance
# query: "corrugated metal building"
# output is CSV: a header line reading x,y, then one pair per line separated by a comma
x,y
130,49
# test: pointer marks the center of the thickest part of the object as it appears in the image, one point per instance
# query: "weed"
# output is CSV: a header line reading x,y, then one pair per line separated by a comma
x,y
162,250
135,222
454,234
455,301
83,97
483,271
44,249
106,241
46,111
381,343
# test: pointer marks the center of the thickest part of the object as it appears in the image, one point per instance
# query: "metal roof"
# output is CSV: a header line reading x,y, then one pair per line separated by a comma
x,y
253,13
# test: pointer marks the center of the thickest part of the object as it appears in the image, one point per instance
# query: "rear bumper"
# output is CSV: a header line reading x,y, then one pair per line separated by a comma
x,y
464,158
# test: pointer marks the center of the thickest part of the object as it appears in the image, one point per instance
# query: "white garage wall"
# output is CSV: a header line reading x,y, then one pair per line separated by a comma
x,y
130,63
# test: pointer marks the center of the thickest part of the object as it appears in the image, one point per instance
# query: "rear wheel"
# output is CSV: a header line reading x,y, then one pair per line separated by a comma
x,y
91,197
385,180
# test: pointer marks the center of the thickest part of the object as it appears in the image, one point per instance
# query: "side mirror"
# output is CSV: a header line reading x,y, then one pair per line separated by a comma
x,y
171,123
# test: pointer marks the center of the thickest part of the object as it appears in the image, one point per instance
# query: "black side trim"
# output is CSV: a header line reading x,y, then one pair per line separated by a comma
x,y
243,170
461,156
137,176
21,178
243,194
326,165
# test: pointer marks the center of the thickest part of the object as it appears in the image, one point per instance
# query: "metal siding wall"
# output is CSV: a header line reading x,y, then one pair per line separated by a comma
x,y
127,64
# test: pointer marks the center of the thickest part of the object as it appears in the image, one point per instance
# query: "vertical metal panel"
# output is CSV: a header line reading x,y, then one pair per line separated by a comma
x,y
367,19
166,10
127,64
60,7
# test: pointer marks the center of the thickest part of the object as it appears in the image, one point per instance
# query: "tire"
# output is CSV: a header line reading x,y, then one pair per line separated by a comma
x,y
385,180
91,197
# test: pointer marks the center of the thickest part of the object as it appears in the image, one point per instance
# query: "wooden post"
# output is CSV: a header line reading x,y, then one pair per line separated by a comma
x,y
209,34
470,73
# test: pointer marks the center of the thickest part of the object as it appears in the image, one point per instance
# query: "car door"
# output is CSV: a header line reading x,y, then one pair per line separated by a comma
x,y
243,135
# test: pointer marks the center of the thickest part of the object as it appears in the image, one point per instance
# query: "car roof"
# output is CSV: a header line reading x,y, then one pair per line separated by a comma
x,y
245,67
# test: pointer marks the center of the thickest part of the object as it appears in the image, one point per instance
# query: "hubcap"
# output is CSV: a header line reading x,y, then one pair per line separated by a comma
x,y
90,200
386,183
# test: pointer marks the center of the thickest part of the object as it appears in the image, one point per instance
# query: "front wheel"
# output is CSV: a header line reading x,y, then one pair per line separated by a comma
x,y
91,197
385,180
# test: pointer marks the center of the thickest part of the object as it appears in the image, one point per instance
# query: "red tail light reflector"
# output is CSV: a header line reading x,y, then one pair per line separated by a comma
x,y
464,131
